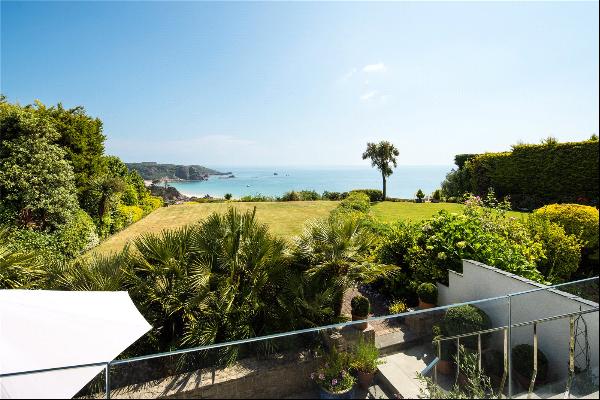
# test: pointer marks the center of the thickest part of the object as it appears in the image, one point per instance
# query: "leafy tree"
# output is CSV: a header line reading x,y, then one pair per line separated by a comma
x,y
81,137
36,182
420,195
383,156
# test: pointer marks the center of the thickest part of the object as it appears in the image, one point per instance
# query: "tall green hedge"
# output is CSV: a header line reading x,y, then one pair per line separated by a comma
x,y
535,175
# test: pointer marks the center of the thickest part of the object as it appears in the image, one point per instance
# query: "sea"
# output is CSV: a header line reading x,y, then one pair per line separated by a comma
x,y
275,181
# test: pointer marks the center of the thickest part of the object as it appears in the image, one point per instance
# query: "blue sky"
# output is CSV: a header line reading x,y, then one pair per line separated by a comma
x,y
309,83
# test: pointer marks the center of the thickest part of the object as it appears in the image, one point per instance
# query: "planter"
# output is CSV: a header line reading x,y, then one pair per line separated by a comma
x,y
445,367
365,379
361,326
423,305
326,394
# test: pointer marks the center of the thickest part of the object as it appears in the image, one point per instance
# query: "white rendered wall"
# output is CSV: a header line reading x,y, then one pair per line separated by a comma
x,y
480,281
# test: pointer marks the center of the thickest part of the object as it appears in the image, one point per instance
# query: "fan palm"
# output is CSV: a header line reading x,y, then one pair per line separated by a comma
x,y
18,269
335,253
248,275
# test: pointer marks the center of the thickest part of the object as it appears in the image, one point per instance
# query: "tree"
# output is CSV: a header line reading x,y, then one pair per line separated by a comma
x,y
420,195
36,181
382,154
81,137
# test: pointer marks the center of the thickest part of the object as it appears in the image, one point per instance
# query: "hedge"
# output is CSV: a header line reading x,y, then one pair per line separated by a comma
x,y
535,175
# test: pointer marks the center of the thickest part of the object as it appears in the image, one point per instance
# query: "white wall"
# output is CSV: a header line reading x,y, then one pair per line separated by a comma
x,y
480,281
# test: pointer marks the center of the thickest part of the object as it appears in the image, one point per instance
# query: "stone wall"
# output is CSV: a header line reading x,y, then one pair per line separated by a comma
x,y
277,377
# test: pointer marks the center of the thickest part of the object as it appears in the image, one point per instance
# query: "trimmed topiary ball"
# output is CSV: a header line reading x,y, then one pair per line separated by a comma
x,y
428,293
466,319
522,361
360,306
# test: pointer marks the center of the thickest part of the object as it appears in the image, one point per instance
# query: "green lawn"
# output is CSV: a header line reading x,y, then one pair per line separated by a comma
x,y
392,211
285,219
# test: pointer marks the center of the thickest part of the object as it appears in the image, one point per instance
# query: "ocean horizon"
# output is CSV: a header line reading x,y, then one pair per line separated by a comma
x,y
276,180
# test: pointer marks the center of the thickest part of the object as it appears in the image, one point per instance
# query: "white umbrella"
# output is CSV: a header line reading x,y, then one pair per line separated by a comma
x,y
42,329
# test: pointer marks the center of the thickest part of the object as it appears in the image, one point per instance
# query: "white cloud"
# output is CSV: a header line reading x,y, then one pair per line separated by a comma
x,y
346,77
379,67
369,96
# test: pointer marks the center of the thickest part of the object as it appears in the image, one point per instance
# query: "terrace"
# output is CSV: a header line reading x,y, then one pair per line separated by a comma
x,y
560,323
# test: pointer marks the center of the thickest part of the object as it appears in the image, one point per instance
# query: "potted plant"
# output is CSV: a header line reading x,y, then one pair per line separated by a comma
x,y
360,311
522,364
428,294
333,377
445,365
364,362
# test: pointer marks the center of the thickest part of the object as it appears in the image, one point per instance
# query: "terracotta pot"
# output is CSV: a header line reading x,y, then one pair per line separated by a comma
x,y
365,379
445,367
423,305
361,326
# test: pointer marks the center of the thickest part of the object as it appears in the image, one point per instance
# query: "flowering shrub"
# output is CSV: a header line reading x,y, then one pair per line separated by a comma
x,y
333,375
397,307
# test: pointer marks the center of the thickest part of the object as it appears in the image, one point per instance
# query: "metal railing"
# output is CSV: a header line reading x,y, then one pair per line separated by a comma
x,y
433,366
505,329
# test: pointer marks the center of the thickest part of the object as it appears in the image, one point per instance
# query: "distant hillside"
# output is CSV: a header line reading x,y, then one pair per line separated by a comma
x,y
152,171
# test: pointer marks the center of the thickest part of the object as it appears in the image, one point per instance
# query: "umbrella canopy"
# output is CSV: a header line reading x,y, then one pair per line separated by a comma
x,y
42,329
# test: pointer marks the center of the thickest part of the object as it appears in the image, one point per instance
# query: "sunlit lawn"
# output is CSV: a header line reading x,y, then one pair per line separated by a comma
x,y
285,219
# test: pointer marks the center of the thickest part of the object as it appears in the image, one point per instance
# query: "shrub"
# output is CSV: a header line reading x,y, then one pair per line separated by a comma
x,y
228,196
522,361
465,319
309,195
397,307
534,175
124,216
374,194
356,202
290,196
77,235
578,220
151,203
256,198
561,252
334,195
428,293
360,306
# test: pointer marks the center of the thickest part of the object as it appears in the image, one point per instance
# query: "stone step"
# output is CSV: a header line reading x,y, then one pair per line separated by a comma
x,y
398,374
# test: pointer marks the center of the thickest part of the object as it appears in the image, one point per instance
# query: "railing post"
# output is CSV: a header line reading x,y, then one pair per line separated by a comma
x,y
457,359
535,361
107,380
439,354
510,346
505,369
571,356
479,351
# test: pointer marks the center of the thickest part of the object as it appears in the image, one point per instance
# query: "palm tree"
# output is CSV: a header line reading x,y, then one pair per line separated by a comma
x,y
248,282
335,252
382,154
18,269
